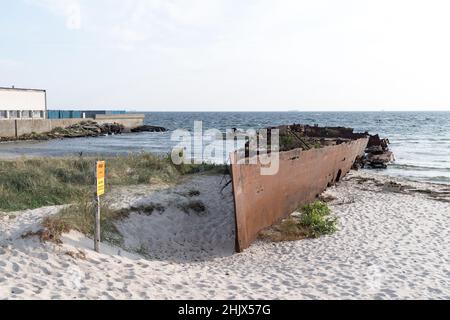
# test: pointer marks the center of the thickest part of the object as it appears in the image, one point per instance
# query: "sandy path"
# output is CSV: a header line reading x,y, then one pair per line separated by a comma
x,y
390,245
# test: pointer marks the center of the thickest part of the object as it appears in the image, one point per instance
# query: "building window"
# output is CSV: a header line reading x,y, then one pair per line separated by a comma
x,y
37,114
14,114
26,114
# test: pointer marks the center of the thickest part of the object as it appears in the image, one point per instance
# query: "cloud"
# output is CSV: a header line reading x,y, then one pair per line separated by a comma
x,y
73,16
266,52
70,10
168,23
134,22
9,63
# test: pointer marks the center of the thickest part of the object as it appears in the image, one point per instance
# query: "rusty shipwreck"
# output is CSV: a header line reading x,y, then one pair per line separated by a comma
x,y
311,158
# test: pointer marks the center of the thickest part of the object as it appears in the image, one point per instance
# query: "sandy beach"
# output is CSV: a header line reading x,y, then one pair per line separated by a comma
x,y
225,150
393,243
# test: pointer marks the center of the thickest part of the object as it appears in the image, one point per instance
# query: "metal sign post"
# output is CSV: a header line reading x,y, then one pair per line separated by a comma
x,y
97,227
100,173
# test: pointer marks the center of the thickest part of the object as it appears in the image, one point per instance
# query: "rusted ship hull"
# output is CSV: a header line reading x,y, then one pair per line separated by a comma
x,y
261,201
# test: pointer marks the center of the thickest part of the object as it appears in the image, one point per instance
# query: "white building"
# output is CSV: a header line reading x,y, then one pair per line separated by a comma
x,y
18,103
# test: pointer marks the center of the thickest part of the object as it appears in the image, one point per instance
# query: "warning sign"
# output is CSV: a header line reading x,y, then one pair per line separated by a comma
x,y
100,178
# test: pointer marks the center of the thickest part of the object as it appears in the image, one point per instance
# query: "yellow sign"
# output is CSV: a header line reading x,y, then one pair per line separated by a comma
x,y
100,178
100,169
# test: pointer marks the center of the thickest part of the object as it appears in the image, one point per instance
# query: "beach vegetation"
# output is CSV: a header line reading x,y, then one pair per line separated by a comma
x,y
142,250
193,193
30,183
286,142
195,206
310,221
316,217
80,217
148,209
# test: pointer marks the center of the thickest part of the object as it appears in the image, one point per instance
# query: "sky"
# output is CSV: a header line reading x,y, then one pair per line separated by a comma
x,y
229,55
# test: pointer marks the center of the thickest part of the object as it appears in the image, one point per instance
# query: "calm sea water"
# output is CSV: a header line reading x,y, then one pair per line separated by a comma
x,y
420,140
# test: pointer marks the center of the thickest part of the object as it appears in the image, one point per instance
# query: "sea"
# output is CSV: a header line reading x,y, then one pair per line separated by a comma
x,y
419,140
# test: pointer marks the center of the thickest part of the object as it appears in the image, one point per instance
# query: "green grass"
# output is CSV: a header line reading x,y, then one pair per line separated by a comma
x,y
316,218
37,182
286,142
313,222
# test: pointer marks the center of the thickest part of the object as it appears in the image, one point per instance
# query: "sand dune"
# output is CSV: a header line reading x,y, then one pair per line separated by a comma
x,y
392,244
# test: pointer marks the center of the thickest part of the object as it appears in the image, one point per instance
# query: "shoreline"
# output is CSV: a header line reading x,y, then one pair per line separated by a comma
x,y
382,173
390,245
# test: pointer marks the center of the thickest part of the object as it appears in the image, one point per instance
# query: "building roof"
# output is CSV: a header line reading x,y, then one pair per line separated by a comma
x,y
21,89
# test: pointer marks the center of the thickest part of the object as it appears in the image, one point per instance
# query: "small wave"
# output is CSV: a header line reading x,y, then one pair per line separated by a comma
x,y
439,179
420,153
430,179
419,168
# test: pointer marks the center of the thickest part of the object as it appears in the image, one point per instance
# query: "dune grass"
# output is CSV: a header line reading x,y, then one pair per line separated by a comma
x,y
37,182
313,222
80,217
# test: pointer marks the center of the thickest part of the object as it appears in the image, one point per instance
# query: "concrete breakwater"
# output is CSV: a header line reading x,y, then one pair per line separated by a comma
x,y
15,128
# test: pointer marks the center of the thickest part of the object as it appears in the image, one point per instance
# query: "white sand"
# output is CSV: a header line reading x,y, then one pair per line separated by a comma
x,y
390,245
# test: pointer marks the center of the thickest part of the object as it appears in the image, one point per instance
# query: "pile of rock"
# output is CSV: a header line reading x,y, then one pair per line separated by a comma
x,y
88,128
378,154
83,129
147,128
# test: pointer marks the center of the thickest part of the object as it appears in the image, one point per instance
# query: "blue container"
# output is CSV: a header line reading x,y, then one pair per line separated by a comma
x,y
90,114
52,114
112,112
64,114
76,114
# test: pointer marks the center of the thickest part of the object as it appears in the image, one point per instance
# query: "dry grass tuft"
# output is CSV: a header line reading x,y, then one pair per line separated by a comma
x,y
76,254
80,217
53,228
193,193
326,198
148,209
196,206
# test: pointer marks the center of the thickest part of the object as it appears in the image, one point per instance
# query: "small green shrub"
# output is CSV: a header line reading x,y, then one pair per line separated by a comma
x,y
286,142
313,222
315,218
